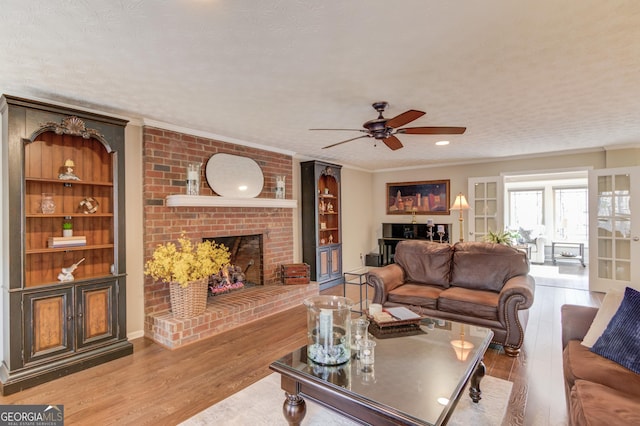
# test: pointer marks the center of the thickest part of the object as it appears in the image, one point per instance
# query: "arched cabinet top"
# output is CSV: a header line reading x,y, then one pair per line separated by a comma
x,y
73,126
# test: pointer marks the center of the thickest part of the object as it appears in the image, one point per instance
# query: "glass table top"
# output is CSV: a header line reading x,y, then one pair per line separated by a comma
x,y
417,377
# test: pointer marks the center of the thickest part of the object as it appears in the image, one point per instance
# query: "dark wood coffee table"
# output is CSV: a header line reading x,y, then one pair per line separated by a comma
x,y
416,379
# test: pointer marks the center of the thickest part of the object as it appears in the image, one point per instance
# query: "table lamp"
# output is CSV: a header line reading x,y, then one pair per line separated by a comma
x,y
460,204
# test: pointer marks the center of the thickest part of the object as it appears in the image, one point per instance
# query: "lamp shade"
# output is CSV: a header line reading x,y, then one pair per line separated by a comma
x,y
460,203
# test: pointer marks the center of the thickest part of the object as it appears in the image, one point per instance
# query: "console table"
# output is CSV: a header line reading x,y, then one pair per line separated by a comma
x,y
393,233
572,247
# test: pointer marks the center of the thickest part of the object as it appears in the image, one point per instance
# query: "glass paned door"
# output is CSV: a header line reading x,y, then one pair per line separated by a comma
x,y
485,199
614,241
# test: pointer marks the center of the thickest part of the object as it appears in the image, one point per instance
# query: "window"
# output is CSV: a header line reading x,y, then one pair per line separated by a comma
x,y
526,208
571,214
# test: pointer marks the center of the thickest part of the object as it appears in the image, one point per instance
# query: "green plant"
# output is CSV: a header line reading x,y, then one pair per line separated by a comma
x,y
67,225
502,237
186,261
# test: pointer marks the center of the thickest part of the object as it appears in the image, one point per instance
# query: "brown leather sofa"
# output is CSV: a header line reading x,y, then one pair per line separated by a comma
x,y
477,283
598,391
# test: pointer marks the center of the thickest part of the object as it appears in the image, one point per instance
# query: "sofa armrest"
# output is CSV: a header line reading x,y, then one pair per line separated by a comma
x,y
576,321
385,279
521,287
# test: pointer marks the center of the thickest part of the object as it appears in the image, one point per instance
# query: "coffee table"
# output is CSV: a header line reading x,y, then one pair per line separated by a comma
x,y
415,380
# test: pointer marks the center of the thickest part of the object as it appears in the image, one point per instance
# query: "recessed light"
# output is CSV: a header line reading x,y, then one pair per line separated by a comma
x,y
442,143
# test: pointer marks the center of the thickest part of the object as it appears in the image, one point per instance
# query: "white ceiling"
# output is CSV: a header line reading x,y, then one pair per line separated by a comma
x,y
524,77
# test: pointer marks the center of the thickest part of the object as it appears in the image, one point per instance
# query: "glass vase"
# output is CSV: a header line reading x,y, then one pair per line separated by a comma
x,y
328,329
193,178
47,205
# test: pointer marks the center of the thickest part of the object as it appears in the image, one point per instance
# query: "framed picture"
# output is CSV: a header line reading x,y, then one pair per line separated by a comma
x,y
425,197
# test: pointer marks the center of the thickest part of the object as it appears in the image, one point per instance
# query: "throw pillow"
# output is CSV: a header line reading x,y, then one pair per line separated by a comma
x,y
620,342
608,308
525,236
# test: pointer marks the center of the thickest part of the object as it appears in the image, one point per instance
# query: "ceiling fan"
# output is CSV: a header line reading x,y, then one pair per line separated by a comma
x,y
385,129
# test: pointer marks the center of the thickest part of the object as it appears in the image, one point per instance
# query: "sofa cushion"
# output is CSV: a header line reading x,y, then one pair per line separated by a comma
x,y
596,404
414,294
474,303
620,341
579,363
425,261
607,309
486,266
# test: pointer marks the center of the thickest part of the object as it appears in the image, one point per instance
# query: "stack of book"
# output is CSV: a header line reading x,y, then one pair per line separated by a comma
x,y
59,242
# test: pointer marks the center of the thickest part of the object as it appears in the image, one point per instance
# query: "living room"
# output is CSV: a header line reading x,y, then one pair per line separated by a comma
x,y
363,188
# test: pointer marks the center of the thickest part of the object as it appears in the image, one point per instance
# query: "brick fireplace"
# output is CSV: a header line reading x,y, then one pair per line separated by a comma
x,y
165,158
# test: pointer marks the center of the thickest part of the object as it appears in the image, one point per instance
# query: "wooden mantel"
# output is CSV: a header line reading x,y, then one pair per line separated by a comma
x,y
180,200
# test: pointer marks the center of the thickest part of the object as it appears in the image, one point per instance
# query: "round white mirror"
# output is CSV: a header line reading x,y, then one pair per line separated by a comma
x,y
234,176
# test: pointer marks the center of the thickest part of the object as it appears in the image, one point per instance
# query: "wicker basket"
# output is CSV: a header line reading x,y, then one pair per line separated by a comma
x,y
189,301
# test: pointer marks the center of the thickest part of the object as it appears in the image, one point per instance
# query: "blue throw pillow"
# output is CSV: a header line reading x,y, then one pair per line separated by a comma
x,y
620,341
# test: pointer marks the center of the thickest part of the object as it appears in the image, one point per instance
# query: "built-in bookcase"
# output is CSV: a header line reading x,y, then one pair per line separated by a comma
x,y
66,293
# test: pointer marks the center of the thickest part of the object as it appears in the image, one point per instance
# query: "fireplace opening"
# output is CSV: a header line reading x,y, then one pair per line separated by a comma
x,y
246,254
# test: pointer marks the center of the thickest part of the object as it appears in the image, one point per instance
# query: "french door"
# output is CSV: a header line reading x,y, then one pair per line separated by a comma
x,y
486,214
614,237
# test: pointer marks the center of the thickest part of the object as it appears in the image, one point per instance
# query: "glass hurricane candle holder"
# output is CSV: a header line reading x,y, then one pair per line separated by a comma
x,y
328,329
193,178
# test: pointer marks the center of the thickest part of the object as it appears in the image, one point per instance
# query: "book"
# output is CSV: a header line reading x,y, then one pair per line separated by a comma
x,y
402,313
58,242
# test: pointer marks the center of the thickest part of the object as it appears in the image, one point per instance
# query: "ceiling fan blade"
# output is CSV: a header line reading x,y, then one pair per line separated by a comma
x,y
404,118
349,130
432,130
392,142
348,140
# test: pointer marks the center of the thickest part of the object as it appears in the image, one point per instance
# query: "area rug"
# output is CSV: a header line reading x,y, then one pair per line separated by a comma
x,y
261,404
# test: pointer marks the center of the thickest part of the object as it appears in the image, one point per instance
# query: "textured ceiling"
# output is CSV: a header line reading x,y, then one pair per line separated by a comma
x,y
523,76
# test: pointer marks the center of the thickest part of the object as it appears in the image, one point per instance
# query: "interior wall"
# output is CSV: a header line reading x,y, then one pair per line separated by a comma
x,y
623,157
458,176
134,226
357,220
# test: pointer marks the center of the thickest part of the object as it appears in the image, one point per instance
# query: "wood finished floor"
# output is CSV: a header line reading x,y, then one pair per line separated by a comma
x,y
162,387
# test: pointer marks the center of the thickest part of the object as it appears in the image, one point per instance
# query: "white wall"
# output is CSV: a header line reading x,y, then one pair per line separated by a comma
x,y
357,218
133,222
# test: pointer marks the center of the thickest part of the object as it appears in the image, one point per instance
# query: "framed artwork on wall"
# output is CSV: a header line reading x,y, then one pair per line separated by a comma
x,y
424,197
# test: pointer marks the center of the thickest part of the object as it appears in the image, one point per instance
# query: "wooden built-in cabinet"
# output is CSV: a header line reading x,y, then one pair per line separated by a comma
x,y
55,325
321,222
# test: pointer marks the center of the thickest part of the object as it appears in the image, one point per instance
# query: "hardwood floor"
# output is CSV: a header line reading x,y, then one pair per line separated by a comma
x,y
162,387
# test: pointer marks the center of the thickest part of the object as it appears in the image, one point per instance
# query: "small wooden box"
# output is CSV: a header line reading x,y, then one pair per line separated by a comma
x,y
295,273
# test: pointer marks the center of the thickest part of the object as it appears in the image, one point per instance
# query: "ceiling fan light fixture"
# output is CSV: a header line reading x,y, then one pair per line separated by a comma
x,y
442,143
385,129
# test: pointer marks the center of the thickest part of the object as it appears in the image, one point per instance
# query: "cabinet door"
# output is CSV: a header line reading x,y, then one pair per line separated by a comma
x,y
97,313
48,316
336,262
324,264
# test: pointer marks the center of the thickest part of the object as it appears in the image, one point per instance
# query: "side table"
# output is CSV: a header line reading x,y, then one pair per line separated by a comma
x,y
358,277
574,256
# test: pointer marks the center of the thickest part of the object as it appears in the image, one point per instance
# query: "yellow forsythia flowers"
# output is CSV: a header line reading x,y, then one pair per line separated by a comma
x,y
186,261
